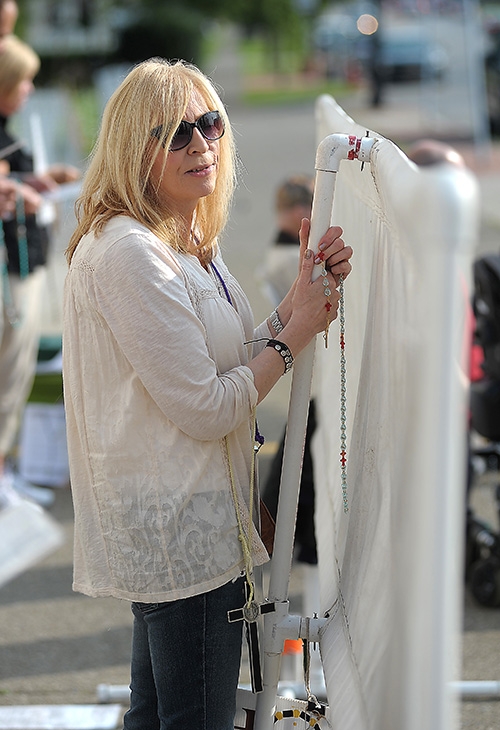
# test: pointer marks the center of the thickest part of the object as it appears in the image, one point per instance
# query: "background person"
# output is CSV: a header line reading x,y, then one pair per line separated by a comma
x,y
427,152
162,371
23,253
292,203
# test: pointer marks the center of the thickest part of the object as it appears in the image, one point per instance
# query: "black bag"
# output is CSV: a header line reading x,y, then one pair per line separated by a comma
x,y
485,393
485,408
487,311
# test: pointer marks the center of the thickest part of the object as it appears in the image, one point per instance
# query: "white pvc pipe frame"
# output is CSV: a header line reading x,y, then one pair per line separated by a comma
x,y
278,625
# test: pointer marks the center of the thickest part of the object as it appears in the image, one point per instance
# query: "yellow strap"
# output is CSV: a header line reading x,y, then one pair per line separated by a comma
x,y
245,539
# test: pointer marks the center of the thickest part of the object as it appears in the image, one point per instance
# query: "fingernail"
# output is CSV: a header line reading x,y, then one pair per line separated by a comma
x,y
319,257
309,253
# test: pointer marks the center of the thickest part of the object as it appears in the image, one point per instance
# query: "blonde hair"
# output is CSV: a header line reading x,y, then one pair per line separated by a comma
x,y
18,62
118,180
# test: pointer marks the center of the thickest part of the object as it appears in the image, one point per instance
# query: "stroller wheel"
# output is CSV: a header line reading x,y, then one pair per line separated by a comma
x,y
485,582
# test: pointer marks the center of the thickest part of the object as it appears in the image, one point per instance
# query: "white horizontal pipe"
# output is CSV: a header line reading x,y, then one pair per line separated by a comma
x,y
110,693
477,688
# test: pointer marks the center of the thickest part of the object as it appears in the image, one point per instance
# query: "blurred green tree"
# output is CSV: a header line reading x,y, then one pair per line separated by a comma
x,y
172,30
176,30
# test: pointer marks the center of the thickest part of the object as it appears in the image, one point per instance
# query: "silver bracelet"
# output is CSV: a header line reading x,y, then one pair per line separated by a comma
x,y
276,321
285,353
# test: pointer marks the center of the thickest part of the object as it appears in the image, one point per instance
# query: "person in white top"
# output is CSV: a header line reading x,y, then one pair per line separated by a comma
x,y
292,202
162,372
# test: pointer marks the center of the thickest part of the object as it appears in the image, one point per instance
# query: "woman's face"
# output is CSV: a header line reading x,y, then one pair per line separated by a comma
x,y
10,103
190,173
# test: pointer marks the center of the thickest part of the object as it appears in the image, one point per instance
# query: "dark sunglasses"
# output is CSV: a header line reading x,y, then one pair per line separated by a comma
x,y
210,124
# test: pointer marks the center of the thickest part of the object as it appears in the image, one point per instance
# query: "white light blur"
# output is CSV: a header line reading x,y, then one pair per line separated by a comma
x,y
367,24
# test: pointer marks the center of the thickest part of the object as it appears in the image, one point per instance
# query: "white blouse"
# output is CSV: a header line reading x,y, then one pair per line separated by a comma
x,y
154,365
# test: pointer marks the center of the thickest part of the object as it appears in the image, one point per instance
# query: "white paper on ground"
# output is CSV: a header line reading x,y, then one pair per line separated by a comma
x,y
43,458
28,535
60,717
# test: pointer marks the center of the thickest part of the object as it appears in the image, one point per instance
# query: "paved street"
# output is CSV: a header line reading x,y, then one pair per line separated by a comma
x,y
56,647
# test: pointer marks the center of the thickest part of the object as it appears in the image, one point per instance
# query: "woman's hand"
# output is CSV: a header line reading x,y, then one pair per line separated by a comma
x,y
332,250
62,173
8,194
51,179
32,199
311,308
9,190
306,310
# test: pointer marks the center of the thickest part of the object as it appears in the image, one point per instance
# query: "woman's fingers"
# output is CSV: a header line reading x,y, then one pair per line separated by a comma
x,y
305,227
331,242
344,268
310,302
334,254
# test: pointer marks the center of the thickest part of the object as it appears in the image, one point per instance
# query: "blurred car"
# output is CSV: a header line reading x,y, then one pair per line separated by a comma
x,y
338,43
410,55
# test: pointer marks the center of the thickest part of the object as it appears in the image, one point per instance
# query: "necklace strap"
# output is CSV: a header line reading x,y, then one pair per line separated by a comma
x,y
222,282
244,538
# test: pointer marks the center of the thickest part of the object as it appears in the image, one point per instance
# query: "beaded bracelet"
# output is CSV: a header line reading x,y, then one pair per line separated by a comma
x,y
285,353
276,321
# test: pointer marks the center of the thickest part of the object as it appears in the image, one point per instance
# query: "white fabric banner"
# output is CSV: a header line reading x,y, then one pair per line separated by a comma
x,y
391,570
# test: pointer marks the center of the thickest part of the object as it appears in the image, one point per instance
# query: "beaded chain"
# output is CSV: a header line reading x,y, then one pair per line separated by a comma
x,y
327,292
343,419
343,390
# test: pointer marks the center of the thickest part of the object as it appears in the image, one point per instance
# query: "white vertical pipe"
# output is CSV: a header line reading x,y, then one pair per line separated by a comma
x,y
46,213
331,151
40,163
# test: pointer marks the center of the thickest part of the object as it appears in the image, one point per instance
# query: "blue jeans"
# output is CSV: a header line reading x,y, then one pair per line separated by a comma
x,y
185,662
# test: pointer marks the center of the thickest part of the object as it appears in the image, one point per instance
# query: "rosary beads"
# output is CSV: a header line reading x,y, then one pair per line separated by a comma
x,y
343,418
327,292
343,409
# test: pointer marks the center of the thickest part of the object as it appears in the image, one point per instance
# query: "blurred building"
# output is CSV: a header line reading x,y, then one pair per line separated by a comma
x,y
58,27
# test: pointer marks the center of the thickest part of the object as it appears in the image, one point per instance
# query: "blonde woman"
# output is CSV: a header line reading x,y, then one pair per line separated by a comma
x,y
163,370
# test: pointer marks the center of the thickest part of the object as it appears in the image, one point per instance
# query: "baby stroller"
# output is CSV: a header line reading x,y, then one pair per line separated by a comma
x,y
482,553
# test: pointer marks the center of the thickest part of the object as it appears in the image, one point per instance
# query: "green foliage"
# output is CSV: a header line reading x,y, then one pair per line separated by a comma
x,y
171,31
86,106
176,29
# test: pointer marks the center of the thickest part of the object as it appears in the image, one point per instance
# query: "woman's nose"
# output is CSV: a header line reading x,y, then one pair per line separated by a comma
x,y
198,141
